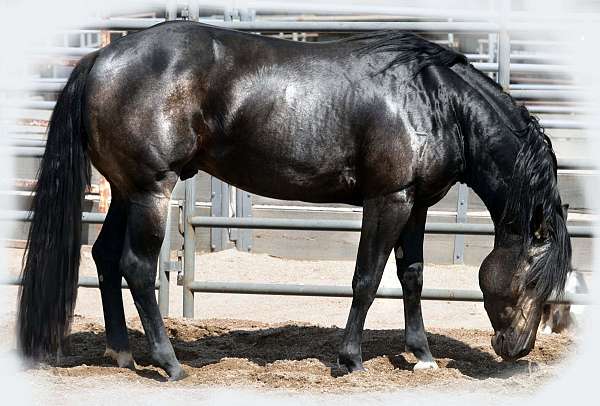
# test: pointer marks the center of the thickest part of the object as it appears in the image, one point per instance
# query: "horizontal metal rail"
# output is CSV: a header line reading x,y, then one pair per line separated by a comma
x,y
84,282
556,123
18,215
81,51
306,224
577,164
302,26
32,105
126,24
25,143
553,109
354,225
547,94
61,51
523,67
461,295
24,151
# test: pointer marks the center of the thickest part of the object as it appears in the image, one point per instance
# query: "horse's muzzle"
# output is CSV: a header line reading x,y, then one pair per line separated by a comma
x,y
511,346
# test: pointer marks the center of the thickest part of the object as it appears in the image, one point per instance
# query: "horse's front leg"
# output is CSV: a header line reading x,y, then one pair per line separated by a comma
x,y
383,219
409,263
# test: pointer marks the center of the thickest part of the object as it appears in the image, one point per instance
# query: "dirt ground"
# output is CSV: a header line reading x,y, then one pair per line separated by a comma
x,y
290,344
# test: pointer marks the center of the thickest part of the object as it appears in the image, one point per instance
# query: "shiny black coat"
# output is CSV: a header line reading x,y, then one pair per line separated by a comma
x,y
314,122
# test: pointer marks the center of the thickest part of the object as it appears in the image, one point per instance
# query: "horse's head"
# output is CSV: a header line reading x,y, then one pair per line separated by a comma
x,y
516,281
532,251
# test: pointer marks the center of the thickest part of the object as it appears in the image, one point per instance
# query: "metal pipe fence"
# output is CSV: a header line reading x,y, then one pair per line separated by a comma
x,y
460,295
190,286
353,225
84,282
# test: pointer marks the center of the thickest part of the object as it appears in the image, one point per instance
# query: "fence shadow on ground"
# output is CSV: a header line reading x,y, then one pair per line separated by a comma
x,y
202,346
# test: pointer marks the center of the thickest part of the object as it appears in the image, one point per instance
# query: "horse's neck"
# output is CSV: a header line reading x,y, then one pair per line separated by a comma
x,y
491,149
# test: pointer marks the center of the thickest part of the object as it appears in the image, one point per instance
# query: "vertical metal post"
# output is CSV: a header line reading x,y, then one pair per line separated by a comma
x,y
461,217
492,47
164,267
243,208
194,10
172,10
219,237
247,14
189,247
229,14
504,47
450,36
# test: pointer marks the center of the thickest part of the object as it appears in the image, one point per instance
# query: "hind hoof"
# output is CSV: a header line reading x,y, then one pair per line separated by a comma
x,y
177,375
124,359
421,365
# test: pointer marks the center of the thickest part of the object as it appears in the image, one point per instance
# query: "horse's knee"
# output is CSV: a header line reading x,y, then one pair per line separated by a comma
x,y
364,288
411,275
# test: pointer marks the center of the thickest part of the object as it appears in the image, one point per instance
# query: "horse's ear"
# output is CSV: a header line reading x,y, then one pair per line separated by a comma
x,y
565,210
539,226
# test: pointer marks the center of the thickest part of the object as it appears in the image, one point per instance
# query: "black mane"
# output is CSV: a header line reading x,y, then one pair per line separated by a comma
x,y
533,191
408,49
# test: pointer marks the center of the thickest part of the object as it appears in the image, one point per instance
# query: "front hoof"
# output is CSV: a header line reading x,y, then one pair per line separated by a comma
x,y
177,375
352,364
425,365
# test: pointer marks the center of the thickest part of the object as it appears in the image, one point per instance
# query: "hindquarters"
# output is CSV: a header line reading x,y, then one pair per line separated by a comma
x,y
144,122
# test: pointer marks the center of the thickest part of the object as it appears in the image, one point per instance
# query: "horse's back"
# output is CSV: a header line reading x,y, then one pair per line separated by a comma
x,y
278,118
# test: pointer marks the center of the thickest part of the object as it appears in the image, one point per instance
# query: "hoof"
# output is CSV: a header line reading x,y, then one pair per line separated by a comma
x,y
177,375
123,358
425,365
547,330
352,365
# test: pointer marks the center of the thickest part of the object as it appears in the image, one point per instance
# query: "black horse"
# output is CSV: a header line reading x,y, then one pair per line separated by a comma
x,y
385,120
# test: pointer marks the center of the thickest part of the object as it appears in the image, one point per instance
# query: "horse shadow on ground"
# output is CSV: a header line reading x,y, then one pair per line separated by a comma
x,y
207,346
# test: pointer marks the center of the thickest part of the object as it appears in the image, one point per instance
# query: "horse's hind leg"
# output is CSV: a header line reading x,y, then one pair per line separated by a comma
x,y
107,253
146,220
409,263
383,219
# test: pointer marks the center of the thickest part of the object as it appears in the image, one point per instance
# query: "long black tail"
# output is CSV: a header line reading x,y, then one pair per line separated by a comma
x,y
50,272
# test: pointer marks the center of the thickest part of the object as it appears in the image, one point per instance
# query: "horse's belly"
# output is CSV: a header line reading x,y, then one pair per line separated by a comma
x,y
315,181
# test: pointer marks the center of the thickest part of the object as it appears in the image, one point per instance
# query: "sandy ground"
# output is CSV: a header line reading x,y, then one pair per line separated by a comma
x,y
287,344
